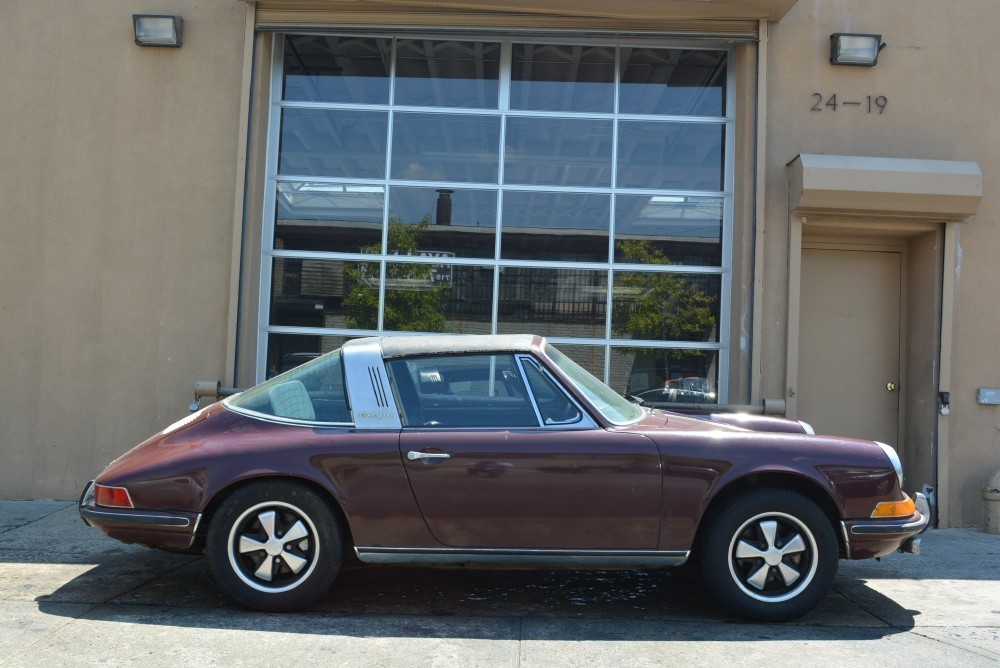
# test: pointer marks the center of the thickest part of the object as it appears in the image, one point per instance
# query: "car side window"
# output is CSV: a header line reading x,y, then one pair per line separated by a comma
x,y
462,392
553,404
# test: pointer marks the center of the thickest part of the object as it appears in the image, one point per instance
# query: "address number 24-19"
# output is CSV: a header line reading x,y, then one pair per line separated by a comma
x,y
872,103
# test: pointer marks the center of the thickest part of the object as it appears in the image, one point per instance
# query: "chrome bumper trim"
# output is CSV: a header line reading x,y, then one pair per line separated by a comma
x,y
909,527
143,519
87,496
194,531
847,537
89,511
915,527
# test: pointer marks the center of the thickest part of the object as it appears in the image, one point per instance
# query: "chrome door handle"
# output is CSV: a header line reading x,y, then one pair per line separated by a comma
x,y
413,455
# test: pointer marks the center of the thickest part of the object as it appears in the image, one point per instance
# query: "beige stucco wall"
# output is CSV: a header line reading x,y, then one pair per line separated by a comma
x,y
938,77
117,187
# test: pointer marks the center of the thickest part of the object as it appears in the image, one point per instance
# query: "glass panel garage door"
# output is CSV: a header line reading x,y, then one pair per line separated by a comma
x,y
581,191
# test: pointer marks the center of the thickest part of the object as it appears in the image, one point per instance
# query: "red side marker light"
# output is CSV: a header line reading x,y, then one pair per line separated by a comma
x,y
113,497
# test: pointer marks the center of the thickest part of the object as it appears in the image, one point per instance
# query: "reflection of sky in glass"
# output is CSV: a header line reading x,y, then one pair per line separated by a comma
x,y
673,81
330,201
558,152
328,68
447,74
669,229
328,216
668,216
558,77
333,142
445,147
661,155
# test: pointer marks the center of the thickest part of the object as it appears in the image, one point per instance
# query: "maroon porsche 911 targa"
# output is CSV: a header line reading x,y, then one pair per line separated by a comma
x,y
498,451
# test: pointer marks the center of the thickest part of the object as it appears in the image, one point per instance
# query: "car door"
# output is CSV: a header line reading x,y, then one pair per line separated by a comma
x,y
492,465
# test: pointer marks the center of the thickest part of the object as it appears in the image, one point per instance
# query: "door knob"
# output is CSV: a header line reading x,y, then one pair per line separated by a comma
x,y
890,386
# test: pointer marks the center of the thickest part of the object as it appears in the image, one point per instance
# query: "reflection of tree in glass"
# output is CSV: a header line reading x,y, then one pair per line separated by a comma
x,y
660,306
413,302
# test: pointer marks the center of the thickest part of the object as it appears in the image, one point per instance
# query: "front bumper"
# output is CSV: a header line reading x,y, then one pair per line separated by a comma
x,y
878,537
158,528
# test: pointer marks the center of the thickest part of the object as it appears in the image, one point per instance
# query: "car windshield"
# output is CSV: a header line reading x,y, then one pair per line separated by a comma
x,y
615,408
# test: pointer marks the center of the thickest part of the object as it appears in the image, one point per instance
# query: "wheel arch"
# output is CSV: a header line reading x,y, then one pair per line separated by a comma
x,y
798,483
320,490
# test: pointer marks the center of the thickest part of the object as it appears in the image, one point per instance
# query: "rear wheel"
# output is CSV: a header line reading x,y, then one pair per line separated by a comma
x,y
770,555
274,546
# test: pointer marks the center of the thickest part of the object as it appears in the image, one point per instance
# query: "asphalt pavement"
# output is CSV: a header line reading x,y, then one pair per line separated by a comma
x,y
69,596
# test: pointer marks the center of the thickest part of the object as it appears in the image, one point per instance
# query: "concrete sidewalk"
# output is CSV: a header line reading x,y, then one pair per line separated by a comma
x,y
69,596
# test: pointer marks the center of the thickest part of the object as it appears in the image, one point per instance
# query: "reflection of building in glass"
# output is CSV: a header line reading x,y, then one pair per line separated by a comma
x,y
583,199
659,376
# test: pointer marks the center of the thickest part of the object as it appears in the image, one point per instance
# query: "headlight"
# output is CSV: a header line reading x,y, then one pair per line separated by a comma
x,y
894,458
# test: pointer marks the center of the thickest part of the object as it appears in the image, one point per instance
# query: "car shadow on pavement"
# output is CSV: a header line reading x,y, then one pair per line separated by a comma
x,y
139,586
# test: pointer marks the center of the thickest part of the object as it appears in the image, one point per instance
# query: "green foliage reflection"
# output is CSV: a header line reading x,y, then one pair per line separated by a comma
x,y
660,306
414,302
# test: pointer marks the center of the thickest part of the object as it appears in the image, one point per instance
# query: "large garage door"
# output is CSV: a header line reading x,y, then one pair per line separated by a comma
x,y
577,190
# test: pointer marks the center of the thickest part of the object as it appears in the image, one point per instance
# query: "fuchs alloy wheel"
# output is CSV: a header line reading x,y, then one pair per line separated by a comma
x,y
274,546
770,555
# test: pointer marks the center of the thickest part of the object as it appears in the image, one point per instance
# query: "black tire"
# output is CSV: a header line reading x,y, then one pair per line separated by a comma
x,y
769,555
274,546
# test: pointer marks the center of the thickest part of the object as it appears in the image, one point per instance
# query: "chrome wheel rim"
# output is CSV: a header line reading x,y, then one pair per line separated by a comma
x,y
772,557
273,547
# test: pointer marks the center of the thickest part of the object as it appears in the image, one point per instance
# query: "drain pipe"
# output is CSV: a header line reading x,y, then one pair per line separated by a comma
x,y
991,496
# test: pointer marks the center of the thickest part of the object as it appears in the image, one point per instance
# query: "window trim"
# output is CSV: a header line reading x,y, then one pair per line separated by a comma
x,y
390,366
584,421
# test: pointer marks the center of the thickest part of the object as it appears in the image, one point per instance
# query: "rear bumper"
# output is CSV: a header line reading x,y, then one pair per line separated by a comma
x,y
155,528
878,537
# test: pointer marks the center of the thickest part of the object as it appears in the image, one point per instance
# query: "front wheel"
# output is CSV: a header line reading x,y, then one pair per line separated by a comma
x,y
770,555
274,546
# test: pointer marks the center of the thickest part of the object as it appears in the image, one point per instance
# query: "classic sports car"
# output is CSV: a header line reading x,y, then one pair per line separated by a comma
x,y
498,451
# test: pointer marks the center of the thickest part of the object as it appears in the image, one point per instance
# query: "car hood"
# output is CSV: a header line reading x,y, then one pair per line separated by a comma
x,y
661,420
704,421
665,428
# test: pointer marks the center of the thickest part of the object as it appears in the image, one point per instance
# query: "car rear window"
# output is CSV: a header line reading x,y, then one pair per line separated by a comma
x,y
312,392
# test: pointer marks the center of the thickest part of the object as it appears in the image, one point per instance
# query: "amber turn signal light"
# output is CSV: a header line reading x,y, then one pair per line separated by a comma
x,y
903,508
114,497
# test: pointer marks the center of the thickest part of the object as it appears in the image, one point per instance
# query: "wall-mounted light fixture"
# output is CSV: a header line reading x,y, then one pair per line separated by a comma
x,y
157,29
848,48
